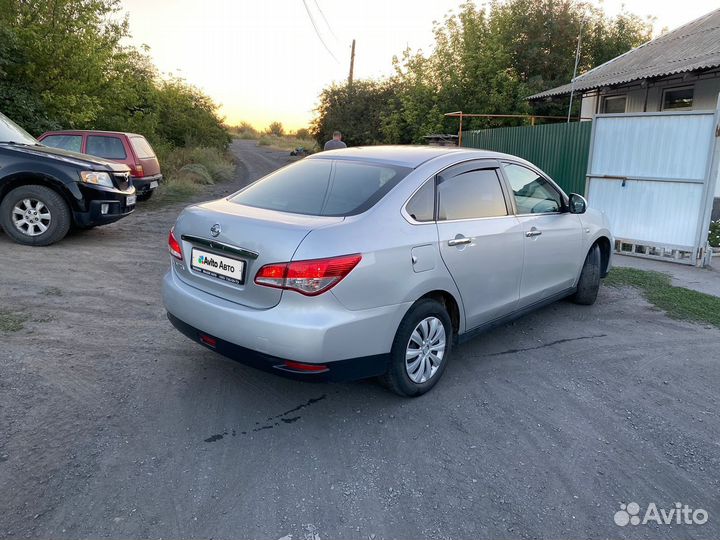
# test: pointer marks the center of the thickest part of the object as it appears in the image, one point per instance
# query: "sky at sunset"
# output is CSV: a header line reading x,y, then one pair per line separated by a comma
x,y
262,60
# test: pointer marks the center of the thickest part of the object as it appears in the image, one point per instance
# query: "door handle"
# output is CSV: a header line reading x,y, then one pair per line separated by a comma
x,y
459,241
533,232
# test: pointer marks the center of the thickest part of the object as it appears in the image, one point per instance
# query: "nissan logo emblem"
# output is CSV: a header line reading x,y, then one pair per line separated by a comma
x,y
215,230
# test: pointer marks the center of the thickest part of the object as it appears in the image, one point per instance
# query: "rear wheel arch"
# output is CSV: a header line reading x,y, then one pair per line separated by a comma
x,y
449,302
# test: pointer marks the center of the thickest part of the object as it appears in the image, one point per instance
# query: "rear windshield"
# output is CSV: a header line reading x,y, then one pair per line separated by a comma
x,y
142,148
323,187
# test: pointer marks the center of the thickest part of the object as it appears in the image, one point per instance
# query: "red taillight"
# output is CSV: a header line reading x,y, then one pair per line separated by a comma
x,y
137,171
174,245
307,277
310,368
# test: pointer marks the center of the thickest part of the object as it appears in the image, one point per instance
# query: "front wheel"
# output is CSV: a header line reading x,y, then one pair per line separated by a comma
x,y
421,349
145,195
589,282
35,215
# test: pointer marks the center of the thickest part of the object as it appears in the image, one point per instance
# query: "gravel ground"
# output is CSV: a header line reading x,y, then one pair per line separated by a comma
x,y
112,424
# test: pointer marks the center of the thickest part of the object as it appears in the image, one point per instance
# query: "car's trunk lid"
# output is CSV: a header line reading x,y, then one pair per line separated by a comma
x,y
254,236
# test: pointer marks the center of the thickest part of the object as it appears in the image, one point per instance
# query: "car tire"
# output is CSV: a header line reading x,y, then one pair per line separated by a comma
x,y
145,196
589,282
38,230
404,376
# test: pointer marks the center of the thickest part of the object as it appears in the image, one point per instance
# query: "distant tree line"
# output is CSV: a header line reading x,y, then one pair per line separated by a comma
x,y
483,61
63,65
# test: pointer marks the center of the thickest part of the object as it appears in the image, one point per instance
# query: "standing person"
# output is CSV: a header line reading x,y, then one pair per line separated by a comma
x,y
335,142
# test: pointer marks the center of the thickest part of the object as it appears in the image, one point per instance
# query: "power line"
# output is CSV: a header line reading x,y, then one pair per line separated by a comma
x,y
317,31
326,21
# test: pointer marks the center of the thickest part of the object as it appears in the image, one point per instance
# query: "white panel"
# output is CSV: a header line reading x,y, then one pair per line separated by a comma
x,y
658,146
657,212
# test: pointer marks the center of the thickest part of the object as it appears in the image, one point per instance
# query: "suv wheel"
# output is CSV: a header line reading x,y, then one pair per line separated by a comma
x,y
34,215
421,349
589,282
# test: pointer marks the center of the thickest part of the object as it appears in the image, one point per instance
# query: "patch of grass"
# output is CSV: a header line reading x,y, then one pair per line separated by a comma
x,y
677,302
287,143
187,170
11,322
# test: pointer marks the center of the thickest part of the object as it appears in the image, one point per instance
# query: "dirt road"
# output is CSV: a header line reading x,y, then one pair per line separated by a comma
x,y
112,424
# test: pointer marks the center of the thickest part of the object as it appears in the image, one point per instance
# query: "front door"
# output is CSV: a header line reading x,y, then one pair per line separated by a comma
x,y
481,242
552,235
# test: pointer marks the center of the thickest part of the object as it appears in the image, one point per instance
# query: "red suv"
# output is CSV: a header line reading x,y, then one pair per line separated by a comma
x,y
128,148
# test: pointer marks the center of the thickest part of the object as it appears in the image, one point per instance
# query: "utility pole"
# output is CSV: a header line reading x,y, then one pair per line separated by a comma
x,y
577,60
352,64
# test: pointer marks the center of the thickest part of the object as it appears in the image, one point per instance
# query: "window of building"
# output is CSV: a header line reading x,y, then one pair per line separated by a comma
x,y
678,98
614,104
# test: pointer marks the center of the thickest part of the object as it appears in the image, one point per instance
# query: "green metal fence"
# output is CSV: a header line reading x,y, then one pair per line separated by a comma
x,y
561,150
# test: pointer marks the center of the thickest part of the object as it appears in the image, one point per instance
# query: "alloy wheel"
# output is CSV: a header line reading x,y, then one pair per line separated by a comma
x,y
425,350
31,217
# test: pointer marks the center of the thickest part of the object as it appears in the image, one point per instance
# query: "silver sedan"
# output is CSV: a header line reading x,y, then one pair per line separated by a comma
x,y
376,261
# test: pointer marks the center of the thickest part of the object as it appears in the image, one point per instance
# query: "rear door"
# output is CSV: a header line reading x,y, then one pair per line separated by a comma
x,y
552,235
145,155
481,242
107,147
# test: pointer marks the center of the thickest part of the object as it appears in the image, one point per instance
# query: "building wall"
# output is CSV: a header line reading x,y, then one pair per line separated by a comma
x,y
649,99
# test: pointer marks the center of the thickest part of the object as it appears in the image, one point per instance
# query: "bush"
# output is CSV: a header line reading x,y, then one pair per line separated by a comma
x,y
196,174
275,128
186,170
244,131
714,233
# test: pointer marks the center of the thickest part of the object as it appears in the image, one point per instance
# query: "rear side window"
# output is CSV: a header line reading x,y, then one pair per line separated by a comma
x,y
421,206
471,195
66,142
142,148
106,147
323,187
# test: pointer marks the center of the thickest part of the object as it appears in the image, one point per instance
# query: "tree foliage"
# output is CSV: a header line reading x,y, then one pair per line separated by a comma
x,y
484,60
63,65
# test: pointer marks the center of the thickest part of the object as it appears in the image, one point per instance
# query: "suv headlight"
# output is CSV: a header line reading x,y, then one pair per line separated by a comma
x,y
97,178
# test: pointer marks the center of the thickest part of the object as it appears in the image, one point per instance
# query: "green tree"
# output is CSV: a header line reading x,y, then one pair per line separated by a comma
x,y
275,128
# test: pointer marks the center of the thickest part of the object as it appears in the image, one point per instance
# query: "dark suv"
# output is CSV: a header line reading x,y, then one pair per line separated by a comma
x,y
44,191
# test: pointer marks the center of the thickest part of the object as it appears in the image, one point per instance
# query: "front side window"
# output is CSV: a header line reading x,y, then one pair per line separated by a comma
x,y
323,187
471,194
65,142
105,147
678,98
533,194
614,104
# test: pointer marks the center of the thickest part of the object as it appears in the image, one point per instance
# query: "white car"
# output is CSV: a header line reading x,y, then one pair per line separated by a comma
x,y
374,261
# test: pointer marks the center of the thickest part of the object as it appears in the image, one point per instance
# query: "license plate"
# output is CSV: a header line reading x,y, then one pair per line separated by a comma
x,y
130,201
218,266
153,184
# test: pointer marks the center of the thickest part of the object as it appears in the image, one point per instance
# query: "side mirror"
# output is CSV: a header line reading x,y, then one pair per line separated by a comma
x,y
578,204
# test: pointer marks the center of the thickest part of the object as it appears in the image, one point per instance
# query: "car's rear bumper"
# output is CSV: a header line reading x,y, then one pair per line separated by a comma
x,y
317,330
147,183
338,371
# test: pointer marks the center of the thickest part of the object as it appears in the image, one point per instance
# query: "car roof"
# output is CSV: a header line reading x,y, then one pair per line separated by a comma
x,y
80,131
405,155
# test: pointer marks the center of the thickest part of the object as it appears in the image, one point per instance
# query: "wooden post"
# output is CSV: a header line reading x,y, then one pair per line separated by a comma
x,y
460,131
352,64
